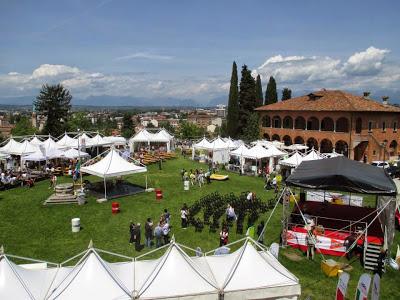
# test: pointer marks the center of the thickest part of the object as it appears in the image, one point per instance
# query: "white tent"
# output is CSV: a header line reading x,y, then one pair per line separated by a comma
x,y
35,156
240,153
312,155
97,141
115,140
293,161
232,144
73,153
204,144
112,165
188,279
35,141
67,142
91,278
295,147
12,147
143,136
257,152
162,137
25,148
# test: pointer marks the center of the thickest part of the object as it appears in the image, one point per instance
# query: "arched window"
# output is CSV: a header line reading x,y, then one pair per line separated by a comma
x,y
276,137
288,122
287,140
326,146
266,121
298,140
313,123
327,124
266,136
312,143
342,125
342,147
276,122
393,148
300,123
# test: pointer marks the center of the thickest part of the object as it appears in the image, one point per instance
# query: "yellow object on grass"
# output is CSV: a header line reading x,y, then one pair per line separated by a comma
x,y
219,177
330,267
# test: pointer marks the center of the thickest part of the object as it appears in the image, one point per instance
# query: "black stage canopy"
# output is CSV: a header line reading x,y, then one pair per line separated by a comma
x,y
342,174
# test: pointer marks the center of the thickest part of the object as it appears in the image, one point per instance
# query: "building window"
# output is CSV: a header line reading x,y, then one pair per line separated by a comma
x,y
395,126
383,126
370,126
374,152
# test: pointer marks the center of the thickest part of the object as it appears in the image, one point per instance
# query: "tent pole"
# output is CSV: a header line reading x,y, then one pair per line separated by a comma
x,y
105,189
146,181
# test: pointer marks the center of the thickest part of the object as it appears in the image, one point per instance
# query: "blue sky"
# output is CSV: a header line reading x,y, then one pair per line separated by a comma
x,y
184,49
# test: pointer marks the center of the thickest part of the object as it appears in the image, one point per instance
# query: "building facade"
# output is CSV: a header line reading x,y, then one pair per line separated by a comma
x,y
356,126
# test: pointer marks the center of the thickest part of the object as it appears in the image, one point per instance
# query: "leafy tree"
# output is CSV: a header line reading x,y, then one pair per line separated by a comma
x,y
247,97
189,130
259,92
54,102
79,121
167,126
106,126
23,127
223,130
150,125
271,96
127,126
286,94
252,131
233,104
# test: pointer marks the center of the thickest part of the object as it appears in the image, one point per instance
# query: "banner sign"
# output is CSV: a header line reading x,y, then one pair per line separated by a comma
x,y
376,286
363,287
342,286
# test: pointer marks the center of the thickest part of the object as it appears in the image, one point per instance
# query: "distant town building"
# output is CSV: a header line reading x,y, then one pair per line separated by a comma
x,y
5,127
221,110
200,118
332,120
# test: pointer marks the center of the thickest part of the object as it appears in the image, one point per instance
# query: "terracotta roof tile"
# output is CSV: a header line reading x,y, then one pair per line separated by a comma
x,y
330,100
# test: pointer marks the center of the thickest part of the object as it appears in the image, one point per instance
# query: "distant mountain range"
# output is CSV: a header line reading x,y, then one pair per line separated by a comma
x,y
122,101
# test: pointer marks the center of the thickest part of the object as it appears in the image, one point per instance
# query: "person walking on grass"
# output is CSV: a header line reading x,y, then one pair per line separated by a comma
x,y
158,235
132,229
223,236
138,247
148,232
184,214
165,232
167,216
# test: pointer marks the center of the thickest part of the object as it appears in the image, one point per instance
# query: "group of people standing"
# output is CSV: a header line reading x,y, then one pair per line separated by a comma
x,y
196,177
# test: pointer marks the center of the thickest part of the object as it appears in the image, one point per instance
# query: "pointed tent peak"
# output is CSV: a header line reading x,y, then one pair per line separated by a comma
x,y
90,246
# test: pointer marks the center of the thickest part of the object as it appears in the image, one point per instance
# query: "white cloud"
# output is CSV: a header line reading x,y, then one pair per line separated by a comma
x,y
368,62
13,73
143,55
48,70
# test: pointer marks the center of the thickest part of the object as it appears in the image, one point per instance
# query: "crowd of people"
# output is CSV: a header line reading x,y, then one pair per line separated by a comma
x,y
196,177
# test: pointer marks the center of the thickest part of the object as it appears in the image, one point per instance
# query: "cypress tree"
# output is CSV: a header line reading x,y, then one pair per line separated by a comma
x,y
259,92
247,97
286,94
233,105
252,130
271,96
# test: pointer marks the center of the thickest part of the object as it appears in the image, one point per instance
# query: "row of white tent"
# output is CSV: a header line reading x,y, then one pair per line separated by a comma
x,y
297,158
146,137
249,272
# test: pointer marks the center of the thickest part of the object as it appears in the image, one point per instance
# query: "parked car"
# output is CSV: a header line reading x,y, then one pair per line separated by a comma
x,y
393,171
380,164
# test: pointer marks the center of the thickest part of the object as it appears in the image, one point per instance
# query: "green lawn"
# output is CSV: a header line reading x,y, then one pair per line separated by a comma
x,y
27,228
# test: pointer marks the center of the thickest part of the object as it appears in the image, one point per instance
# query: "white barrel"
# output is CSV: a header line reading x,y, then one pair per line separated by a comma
x,y
186,185
76,224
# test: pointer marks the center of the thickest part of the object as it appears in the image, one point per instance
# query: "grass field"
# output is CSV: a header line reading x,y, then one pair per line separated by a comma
x,y
27,228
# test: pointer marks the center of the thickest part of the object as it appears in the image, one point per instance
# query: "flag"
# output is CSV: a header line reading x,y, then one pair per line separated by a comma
x,y
376,286
342,286
363,287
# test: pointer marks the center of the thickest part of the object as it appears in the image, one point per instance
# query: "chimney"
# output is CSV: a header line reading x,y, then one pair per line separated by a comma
x,y
385,100
366,94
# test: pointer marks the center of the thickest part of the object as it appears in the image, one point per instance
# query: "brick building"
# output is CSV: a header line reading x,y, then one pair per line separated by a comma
x,y
201,119
328,120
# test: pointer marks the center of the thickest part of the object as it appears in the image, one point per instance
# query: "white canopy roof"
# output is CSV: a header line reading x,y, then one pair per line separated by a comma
x,y
161,137
166,133
67,142
219,144
112,165
25,148
35,141
295,147
12,147
143,136
204,144
257,152
267,144
73,153
293,161
242,150
232,144
115,140
188,278
97,140
312,155
90,279
35,156
274,152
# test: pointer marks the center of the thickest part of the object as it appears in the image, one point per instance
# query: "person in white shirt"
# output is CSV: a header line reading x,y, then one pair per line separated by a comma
x,y
165,232
184,214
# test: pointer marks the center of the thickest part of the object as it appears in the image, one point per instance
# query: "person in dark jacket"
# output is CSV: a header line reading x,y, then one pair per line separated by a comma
x,y
132,232
148,232
381,263
260,228
137,237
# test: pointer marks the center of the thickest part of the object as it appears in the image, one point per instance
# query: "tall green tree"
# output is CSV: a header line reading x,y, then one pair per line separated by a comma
x,y
167,126
127,125
80,121
271,96
233,104
259,92
23,127
286,94
54,102
252,131
189,130
247,97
